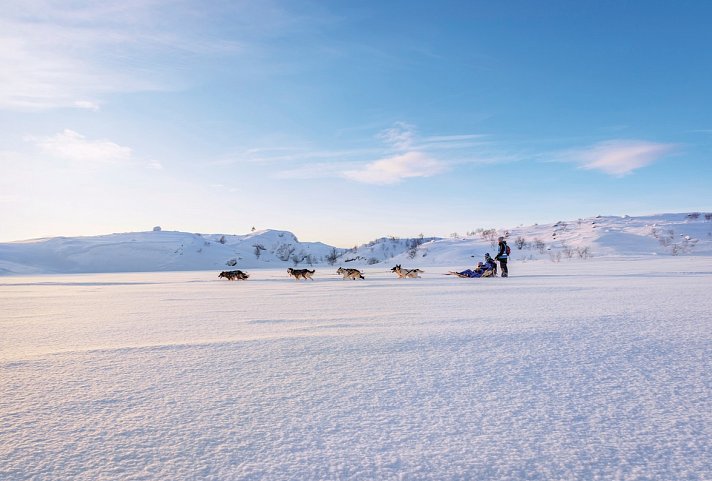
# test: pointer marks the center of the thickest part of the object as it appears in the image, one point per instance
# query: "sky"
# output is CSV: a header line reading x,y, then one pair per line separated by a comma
x,y
347,121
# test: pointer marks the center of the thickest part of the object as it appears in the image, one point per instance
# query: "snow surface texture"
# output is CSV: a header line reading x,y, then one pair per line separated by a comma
x,y
665,234
598,369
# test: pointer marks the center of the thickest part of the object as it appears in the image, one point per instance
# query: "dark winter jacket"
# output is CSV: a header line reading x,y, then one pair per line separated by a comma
x,y
489,264
502,254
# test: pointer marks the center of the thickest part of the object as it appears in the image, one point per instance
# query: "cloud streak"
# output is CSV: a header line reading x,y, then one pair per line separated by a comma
x,y
71,54
620,157
392,170
75,148
72,146
400,136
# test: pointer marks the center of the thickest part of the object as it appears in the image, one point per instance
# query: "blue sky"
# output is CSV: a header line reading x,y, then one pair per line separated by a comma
x,y
347,121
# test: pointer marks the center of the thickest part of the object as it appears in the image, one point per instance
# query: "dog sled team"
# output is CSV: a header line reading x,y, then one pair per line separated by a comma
x,y
487,268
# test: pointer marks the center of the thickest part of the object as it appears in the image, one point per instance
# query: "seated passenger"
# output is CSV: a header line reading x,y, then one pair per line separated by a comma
x,y
491,261
485,269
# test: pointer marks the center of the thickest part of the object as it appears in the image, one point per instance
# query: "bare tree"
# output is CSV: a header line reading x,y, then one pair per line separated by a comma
x,y
489,234
332,256
284,252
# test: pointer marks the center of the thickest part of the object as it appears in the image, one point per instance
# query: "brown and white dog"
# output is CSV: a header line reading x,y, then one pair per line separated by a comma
x,y
233,275
404,273
350,273
300,273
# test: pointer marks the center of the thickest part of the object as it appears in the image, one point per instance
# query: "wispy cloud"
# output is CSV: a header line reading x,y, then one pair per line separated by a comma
x,y
397,168
403,158
70,54
400,136
399,154
76,148
72,146
619,157
453,138
87,104
314,170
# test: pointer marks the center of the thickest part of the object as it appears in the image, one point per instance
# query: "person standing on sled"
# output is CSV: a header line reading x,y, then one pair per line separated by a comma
x,y
502,256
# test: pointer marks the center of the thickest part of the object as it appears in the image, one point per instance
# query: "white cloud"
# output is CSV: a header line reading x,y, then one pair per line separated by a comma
x,y
404,155
453,138
53,67
154,165
72,146
87,104
620,157
394,169
62,53
400,136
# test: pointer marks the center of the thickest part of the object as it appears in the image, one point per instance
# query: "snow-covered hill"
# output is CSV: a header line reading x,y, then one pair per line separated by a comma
x,y
664,234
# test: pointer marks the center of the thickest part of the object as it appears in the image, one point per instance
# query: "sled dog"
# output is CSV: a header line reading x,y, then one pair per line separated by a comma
x,y
350,273
233,275
300,273
404,273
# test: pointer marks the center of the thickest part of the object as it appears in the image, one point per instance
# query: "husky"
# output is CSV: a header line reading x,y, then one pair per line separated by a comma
x,y
233,275
350,273
404,273
300,273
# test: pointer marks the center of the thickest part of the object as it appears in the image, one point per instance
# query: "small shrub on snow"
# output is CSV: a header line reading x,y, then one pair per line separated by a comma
x,y
284,252
231,262
489,234
332,256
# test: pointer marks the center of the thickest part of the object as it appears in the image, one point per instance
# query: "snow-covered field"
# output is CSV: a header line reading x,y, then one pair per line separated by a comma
x,y
596,369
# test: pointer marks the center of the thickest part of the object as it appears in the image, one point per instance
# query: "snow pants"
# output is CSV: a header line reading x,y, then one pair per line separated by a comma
x,y
503,267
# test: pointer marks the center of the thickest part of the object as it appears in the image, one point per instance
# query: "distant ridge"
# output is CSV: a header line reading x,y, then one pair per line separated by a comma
x,y
601,236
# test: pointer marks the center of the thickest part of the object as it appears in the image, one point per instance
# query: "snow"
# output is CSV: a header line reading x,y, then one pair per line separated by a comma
x,y
584,369
663,235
